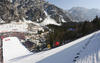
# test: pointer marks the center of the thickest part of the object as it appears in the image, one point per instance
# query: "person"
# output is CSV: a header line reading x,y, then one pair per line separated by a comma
x,y
1,38
57,44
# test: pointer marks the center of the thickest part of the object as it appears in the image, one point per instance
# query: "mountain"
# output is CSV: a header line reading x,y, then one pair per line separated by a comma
x,y
43,12
34,10
7,11
82,14
72,18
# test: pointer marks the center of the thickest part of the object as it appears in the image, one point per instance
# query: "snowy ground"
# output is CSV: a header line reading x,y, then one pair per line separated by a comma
x,y
18,27
13,27
83,50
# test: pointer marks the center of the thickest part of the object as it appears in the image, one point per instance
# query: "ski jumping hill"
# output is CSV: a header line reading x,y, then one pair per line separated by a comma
x,y
12,48
82,50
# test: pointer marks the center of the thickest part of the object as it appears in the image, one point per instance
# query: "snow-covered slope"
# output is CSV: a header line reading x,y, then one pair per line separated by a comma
x,y
83,50
92,52
12,48
48,20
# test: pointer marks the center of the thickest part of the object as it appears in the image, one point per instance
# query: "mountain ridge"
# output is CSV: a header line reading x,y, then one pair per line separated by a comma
x,y
83,14
32,10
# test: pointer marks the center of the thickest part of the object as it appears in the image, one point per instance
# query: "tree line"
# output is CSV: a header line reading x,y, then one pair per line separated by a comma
x,y
63,35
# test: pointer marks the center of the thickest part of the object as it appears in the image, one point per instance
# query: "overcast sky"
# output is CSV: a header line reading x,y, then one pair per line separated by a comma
x,y
67,4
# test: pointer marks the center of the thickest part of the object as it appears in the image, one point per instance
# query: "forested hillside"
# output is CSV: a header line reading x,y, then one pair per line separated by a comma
x,y
72,30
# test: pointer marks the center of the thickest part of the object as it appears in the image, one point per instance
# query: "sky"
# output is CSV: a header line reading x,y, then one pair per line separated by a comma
x,y
68,4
